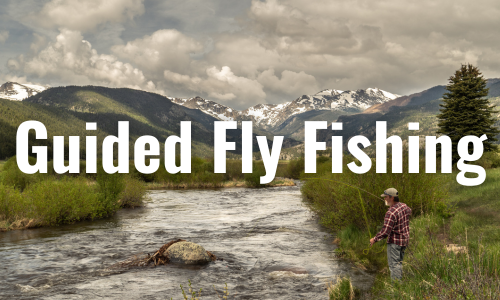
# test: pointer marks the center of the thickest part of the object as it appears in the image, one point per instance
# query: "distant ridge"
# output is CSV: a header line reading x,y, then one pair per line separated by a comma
x,y
269,116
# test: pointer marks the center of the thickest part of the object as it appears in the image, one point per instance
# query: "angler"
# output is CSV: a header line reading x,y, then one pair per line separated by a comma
x,y
397,231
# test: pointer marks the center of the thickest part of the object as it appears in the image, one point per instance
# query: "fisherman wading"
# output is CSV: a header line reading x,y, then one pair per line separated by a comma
x,y
397,230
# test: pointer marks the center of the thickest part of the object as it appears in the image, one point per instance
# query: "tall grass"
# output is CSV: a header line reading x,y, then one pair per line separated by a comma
x,y
50,202
110,188
353,243
294,168
46,200
431,272
339,205
253,179
11,175
343,290
133,193
202,175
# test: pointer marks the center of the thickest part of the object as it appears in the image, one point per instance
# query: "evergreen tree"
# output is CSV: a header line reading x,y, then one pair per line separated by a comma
x,y
466,110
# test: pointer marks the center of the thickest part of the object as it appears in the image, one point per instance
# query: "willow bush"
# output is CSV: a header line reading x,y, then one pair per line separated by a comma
x,y
253,179
51,202
30,200
11,175
133,193
339,205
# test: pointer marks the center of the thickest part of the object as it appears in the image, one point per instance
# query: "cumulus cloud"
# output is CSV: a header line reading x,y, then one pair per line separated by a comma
x,y
273,52
4,35
291,83
394,45
247,90
164,49
222,84
13,78
84,15
39,42
290,30
72,58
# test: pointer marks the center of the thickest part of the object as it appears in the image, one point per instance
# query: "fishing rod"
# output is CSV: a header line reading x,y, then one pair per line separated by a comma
x,y
367,250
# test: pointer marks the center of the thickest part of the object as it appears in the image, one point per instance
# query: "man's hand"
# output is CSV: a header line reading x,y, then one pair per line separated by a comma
x,y
372,241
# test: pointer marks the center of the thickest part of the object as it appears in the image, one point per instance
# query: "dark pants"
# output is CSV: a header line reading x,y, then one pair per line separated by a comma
x,y
395,255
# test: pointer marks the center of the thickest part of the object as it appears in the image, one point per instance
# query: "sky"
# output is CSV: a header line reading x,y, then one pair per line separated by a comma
x,y
242,53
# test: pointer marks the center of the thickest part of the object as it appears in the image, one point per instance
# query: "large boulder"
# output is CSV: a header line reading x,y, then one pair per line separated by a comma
x,y
188,253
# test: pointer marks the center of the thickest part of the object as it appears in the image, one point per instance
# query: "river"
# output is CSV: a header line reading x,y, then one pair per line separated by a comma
x,y
270,244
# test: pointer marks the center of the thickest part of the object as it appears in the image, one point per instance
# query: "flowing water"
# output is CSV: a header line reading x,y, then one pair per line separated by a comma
x,y
270,244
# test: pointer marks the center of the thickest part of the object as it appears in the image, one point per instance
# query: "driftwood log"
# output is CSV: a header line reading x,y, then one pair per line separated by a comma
x,y
159,257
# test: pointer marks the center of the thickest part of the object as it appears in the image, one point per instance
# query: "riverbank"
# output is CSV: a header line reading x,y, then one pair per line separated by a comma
x,y
270,243
225,184
39,200
452,255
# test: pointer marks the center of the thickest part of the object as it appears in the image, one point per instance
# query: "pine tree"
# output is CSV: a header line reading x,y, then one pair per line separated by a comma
x,y
466,110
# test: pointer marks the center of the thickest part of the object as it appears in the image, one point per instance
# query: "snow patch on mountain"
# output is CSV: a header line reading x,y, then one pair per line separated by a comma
x,y
18,92
270,115
214,109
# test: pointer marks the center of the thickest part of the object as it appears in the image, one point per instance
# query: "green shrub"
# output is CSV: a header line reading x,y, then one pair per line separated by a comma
x,y
55,202
489,160
50,202
339,205
133,193
13,176
110,187
295,168
233,170
281,170
253,179
201,175
10,201
322,159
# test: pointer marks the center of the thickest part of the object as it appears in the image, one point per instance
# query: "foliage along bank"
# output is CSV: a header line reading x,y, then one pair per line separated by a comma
x,y
454,252
49,199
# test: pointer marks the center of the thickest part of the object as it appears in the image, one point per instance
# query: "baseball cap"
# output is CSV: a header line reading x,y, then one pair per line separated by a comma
x,y
390,192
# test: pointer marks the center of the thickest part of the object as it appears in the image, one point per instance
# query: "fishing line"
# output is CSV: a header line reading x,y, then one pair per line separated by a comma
x,y
367,250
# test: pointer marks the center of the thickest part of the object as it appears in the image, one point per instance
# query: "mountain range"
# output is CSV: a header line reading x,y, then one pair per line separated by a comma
x,y
270,116
65,109
422,107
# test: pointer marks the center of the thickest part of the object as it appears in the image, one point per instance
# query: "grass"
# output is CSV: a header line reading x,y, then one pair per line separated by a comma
x,y
45,200
52,199
202,176
336,197
431,271
343,289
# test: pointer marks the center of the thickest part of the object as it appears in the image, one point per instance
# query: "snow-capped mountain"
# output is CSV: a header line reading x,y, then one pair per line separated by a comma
x,y
271,115
18,92
214,109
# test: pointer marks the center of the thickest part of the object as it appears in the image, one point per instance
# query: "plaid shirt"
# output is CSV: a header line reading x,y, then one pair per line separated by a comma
x,y
396,225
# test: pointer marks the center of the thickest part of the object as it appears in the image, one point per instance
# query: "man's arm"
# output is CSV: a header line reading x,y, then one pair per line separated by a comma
x,y
386,230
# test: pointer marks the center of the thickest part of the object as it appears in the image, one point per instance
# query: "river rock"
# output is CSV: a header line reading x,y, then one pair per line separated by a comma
x,y
188,253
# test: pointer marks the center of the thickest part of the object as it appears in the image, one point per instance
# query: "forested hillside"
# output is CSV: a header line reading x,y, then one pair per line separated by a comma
x,y
64,111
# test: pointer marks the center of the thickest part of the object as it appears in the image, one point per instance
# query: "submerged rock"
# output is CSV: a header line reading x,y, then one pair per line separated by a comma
x,y
188,253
